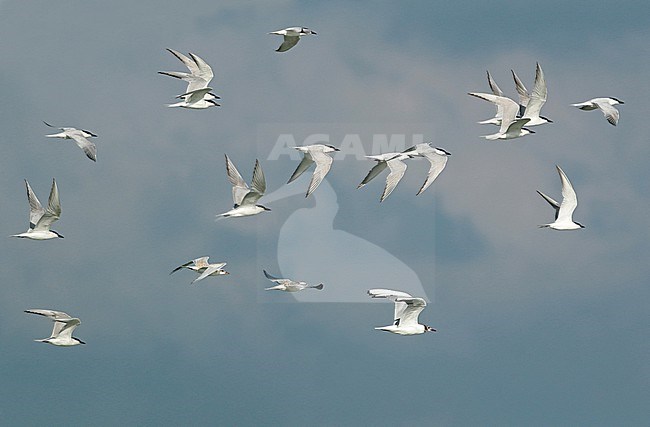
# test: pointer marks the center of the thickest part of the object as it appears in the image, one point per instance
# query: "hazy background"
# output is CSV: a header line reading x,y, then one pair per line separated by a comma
x,y
536,327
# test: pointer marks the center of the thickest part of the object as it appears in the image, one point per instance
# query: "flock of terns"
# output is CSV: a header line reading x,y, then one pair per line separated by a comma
x,y
511,117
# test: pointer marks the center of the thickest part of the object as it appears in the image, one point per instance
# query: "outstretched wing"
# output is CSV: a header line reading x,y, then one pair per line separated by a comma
x,y
538,96
611,113
411,312
302,167
53,210
276,279
393,296
288,43
397,170
87,146
376,170
522,92
569,197
551,202
64,330
258,186
493,85
36,211
438,163
239,186
208,271
323,165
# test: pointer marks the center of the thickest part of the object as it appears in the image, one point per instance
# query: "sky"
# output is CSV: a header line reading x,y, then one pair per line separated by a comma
x,y
535,327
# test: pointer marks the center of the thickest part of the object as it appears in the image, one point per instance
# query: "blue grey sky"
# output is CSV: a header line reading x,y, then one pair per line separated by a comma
x,y
535,327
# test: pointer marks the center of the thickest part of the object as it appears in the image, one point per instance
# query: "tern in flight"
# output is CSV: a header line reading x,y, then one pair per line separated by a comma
x,y
407,311
41,219
292,36
80,137
511,127
203,267
563,211
394,162
244,198
314,154
606,105
198,78
288,285
436,156
64,326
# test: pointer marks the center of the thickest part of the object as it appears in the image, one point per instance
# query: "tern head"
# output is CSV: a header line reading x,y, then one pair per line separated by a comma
x,y
213,102
546,120
263,207
331,148
616,101
579,225
429,329
88,133
526,131
443,151
78,340
57,234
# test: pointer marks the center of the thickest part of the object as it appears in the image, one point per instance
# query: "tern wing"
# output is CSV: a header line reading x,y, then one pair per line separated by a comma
x,y
208,271
302,167
551,202
53,210
239,186
376,170
64,330
203,70
288,43
181,267
569,197
538,96
493,85
259,182
189,63
52,314
438,163
508,106
278,280
87,146
397,169
323,165
521,91
410,314
611,113
393,296
36,211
